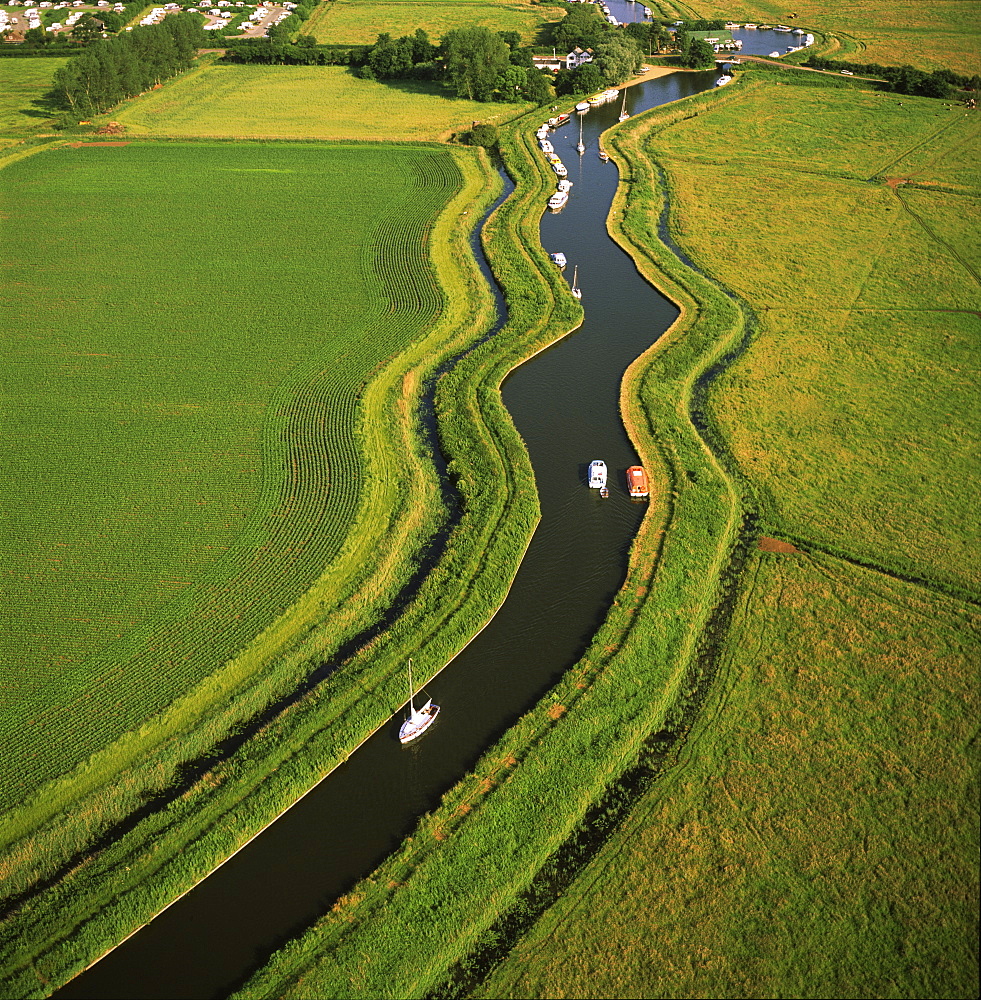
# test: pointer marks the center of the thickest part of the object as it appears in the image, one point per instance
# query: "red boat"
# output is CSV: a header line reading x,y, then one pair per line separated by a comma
x,y
637,482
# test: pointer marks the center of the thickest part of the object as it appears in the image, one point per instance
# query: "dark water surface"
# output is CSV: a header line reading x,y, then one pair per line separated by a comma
x,y
565,404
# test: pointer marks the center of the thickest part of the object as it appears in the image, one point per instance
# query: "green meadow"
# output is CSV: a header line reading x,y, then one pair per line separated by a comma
x,y
855,408
23,84
360,22
178,445
818,834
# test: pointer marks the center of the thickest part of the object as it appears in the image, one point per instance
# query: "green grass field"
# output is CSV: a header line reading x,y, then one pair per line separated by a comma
x,y
818,836
23,85
358,22
187,453
288,102
928,35
878,459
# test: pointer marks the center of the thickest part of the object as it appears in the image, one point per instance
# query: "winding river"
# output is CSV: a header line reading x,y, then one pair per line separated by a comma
x,y
565,403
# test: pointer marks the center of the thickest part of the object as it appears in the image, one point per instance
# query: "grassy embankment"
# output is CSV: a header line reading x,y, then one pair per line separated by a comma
x,y
819,832
138,869
922,33
402,931
359,22
452,882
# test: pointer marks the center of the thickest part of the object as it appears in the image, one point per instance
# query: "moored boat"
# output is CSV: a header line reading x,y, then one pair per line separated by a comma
x,y
597,475
582,107
558,201
637,484
559,260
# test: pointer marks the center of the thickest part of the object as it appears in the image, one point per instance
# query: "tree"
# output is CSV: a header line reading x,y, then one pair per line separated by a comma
x,y
86,30
475,58
697,54
537,87
483,134
512,82
617,59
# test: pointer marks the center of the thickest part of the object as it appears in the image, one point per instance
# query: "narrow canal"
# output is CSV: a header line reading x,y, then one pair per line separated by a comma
x,y
565,404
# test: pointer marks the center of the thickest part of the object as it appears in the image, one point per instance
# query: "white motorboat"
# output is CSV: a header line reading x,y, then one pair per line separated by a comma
x,y
547,147
564,185
582,107
723,80
559,260
418,721
560,170
597,475
558,201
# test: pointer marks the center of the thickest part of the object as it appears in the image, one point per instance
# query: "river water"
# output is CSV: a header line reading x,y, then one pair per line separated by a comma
x,y
565,405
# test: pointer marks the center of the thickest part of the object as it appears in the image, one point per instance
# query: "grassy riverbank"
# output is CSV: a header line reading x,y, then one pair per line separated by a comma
x,y
818,830
138,856
791,799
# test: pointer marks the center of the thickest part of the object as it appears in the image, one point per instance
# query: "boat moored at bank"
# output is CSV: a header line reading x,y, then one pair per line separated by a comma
x,y
637,484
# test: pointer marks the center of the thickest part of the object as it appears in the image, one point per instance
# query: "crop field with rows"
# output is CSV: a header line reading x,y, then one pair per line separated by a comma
x,y
188,347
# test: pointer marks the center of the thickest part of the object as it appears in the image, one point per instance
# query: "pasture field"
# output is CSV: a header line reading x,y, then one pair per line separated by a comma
x,y
23,84
360,22
818,835
854,410
288,102
920,33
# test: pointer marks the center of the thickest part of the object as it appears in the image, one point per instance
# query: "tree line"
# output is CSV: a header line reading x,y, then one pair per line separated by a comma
x,y
112,69
904,79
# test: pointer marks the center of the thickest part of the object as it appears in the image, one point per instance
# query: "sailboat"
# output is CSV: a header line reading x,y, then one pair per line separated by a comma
x,y
417,722
580,148
576,291
623,107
